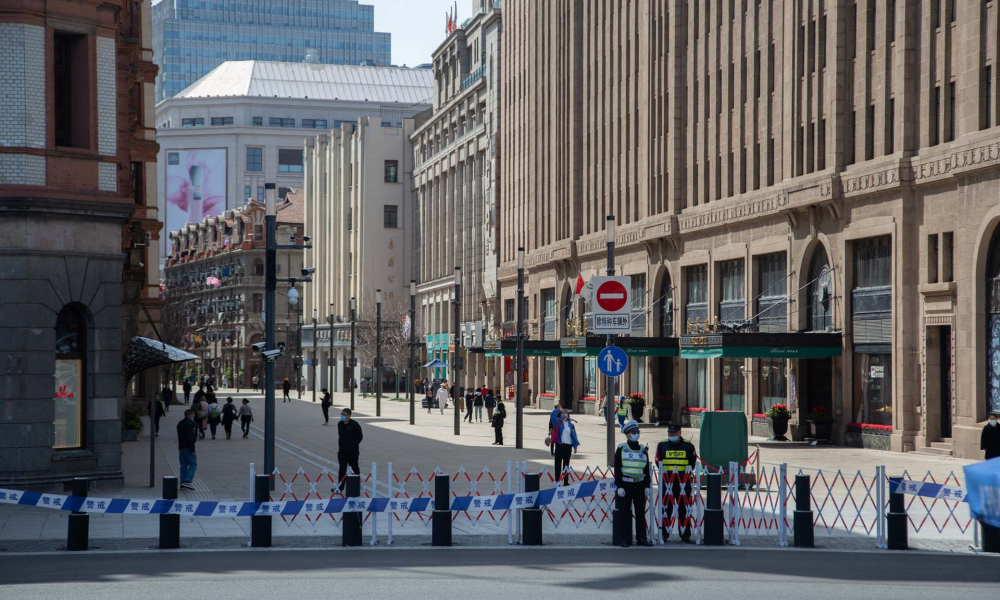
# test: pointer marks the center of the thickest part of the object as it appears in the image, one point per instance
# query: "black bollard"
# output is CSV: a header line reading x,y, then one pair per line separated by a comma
x,y
802,519
351,529
990,538
260,525
170,524
896,519
714,516
441,521
78,532
531,518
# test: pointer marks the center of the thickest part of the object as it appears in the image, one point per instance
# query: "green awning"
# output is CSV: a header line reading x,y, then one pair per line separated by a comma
x,y
761,345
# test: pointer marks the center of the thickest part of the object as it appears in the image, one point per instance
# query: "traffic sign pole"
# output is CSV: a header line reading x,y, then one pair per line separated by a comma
x,y
609,230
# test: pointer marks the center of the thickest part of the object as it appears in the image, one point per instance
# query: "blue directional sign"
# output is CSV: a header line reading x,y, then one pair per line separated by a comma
x,y
612,361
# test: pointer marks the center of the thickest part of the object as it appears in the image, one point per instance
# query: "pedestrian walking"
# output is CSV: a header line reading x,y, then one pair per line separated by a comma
x,y
199,394
349,438
497,421
255,381
167,395
477,403
186,386
554,417
246,417
214,415
622,411
286,387
156,417
564,439
990,440
490,400
325,403
469,399
225,382
187,437
228,416
442,397
429,399
201,412
632,479
676,453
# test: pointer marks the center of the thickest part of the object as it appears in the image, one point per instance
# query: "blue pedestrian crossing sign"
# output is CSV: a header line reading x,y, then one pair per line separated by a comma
x,y
612,361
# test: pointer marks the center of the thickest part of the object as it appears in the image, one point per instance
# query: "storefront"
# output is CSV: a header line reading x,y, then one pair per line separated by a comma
x,y
871,319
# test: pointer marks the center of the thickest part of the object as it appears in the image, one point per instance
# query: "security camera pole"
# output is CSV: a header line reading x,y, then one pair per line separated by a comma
x,y
270,289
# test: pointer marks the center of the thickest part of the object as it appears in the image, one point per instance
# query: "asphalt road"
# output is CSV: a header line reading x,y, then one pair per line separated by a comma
x,y
549,573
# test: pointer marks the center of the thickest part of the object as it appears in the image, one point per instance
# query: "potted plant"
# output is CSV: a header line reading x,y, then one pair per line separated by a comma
x,y
778,415
661,409
876,437
691,416
131,424
638,404
821,422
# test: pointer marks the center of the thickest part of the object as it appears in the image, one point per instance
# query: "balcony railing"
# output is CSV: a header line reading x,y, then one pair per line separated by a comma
x,y
474,77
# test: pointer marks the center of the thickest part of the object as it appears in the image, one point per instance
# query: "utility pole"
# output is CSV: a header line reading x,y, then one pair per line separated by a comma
x,y
609,392
413,343
238,359
298,351
378,353
519,358
312,363
270,287
329,361
354,308
457,302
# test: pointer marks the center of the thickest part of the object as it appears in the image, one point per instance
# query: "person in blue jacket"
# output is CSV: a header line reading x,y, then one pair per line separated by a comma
x,y
554,418
566,444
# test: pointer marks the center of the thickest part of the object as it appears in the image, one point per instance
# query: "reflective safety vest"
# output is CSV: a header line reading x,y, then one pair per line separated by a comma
x,y
633,461
672,459
622,408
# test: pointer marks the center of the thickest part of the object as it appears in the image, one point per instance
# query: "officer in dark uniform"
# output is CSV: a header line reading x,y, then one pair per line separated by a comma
x,y
632,479
676,453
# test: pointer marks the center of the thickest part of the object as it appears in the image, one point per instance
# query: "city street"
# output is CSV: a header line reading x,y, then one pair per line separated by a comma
x,y
558,573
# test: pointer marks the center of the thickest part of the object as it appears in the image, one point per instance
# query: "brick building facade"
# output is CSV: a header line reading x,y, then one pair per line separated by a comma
x,y
782,166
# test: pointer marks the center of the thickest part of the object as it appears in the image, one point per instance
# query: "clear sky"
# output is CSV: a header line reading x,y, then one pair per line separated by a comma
x,y
417,26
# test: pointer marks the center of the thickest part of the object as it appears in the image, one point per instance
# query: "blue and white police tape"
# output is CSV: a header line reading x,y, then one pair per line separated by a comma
x,y
316,507
928,490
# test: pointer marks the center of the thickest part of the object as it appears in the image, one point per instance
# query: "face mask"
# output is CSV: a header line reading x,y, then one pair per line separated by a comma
x,y
993,422
343,418
633,437
673,438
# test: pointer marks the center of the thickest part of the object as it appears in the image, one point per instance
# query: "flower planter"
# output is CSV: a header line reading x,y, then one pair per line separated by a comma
x,y
779,427
759,427
637,411
691,420
129,435
875,440
821,431
853,439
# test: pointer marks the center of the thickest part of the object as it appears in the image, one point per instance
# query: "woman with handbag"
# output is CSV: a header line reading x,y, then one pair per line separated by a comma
x,y
566,443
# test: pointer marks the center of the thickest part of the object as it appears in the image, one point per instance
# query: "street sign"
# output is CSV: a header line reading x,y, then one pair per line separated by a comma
x,y
612,305
612,361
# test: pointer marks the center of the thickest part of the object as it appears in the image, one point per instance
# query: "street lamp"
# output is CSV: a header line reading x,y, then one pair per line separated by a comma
x,y
293,300
609,392
519,359
457,302
413,343
329,361
378,353
312,363
354,308
270,287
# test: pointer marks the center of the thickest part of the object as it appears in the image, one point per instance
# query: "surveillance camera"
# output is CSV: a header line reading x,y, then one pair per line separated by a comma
x,y
308,271
281,346
271,355
259,347
306,239
292,238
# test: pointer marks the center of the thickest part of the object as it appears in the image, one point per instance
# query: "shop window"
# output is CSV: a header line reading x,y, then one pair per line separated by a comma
x,y
71,77
549,378
771,382
590,377
70,377
733,384
873,386
697,383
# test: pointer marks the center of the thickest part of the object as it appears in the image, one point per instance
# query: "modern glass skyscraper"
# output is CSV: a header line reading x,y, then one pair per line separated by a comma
x,y
192,37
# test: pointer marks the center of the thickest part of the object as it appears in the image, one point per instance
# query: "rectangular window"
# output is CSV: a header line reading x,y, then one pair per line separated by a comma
x,y
953,110
935,13
852,130
770,69
637,377
638,293
948,256
390,216
987,102
69,402
733,384
590,377
935,116
549,383
246,193
771,382
870,27
71,76
731,303
821,146
219,121
822,42
697,383
771,303
852,30
890,16
260,193
743,170
873,262
508,310
932,258
192,122
289,161
756,73
280,122
870,133
756,166
952,10
314,123
348,220
812,46
550,314
697,293
770,162
392,171
258,121
255,159
890,126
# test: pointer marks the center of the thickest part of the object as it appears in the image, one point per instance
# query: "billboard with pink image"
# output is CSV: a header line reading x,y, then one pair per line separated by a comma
x,y
196,185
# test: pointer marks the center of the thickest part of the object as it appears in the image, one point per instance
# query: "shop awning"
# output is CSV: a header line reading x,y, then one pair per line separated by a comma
x,y
761,345
144,353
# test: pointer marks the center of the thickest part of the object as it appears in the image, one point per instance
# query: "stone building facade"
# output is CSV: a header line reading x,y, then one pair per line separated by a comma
x,y
781,167
214,286
77,162
358,193
456,193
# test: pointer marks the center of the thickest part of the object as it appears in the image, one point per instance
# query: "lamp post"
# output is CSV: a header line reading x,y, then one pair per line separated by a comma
x,y
329,361
378,353
609,392
298,352
413,343
270,287
238,359
354,308
312,363
519,358
457,302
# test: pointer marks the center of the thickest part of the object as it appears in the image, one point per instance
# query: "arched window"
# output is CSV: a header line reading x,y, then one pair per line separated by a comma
x,y
666,306
70,377
993,323
819,296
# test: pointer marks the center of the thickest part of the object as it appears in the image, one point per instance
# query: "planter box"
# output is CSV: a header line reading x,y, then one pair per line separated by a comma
x,y
869,440
691,420
585,406
760,427
130,435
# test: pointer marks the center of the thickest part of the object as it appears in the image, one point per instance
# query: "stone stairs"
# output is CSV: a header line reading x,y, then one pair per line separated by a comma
x,y
942,448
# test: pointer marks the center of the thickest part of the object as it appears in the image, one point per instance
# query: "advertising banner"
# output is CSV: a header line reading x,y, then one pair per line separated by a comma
x,y
196,186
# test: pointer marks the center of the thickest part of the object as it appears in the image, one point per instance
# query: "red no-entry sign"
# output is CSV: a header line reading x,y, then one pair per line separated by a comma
x,y
612,305
612,296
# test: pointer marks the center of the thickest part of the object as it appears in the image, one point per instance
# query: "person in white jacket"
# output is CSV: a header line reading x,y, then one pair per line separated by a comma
x,y
442,396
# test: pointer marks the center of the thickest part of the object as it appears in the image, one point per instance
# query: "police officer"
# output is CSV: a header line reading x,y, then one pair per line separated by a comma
x,y
622,412
676,453
632,479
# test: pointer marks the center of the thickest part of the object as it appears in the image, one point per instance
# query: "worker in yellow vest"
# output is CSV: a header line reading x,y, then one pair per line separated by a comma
x,y
622,412
676,453
632,479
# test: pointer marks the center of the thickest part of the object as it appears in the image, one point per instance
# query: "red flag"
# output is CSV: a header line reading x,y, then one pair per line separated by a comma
x,y
579,284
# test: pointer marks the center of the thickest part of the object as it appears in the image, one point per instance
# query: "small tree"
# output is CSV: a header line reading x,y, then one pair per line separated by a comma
x,y
395,341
